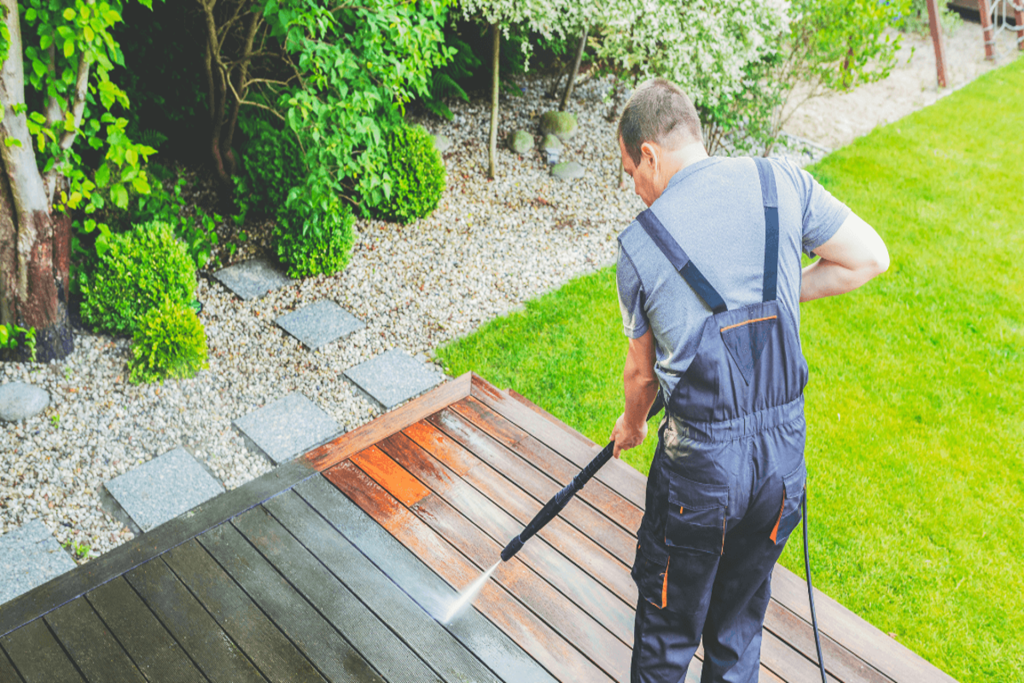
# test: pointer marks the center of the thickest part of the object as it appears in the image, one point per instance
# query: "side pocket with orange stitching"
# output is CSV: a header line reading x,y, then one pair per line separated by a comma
x,y
651,577
794,485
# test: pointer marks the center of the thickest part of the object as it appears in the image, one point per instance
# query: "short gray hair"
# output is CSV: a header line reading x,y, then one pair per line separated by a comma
x,y
658,111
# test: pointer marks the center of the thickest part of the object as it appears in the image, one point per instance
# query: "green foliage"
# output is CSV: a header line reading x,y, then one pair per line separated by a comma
x,y
79,550
196,229
916,18
137,271
417,173
315,239
445,83
272,164
13,337
168,343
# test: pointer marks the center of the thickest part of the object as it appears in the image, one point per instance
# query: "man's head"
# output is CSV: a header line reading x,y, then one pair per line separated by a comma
x,y
659,133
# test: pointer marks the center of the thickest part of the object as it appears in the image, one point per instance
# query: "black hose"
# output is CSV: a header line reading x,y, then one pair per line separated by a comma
x,y
810,596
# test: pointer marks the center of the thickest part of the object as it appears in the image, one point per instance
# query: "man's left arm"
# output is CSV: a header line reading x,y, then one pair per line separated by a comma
x,y
641,388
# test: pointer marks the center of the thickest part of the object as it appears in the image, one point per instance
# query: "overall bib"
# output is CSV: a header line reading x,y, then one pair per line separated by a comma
x,y
727,480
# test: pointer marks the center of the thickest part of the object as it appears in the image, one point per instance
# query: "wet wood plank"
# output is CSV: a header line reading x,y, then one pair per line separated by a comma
x,y
508,614
91,646
273,654
531,589
143,637
540,555
428,589
436,646
38,656
322,645
8,674
371,637
209,647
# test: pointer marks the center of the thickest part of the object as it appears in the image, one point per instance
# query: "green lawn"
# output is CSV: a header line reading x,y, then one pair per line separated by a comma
x,y
916,425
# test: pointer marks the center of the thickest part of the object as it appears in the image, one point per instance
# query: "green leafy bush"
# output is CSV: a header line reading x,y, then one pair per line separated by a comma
x,y
416,173
169,342
136,272
273,164
12,338
315,238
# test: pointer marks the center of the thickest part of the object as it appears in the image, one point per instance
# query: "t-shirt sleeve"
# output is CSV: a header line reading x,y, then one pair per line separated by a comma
x,y
822,213
631,297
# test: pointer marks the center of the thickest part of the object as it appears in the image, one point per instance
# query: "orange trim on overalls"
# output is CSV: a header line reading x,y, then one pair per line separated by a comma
x,y
664,586
756,320
775,531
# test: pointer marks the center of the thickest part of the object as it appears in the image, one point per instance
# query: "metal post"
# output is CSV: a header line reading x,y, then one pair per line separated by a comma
x,y
1018,20
938,41
985,9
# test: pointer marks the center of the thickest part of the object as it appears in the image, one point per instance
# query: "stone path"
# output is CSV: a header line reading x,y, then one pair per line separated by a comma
x,y
29,556
319,324
286,428
252,279
392,378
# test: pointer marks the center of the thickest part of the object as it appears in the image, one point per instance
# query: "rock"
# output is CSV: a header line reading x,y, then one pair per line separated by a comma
x,y
520,142
560,123
549,142
20,401
567,170
442,143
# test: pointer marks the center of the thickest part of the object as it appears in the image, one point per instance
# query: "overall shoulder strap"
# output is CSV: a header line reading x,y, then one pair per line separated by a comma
x,y
770,199
680,261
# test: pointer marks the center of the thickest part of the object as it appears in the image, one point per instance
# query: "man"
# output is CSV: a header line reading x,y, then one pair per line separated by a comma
x,y
710,284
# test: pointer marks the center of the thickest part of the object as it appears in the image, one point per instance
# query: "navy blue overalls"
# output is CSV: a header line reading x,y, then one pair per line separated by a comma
x,y
727,481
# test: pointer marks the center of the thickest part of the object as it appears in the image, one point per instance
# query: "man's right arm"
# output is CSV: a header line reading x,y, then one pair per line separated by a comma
x,y
849,259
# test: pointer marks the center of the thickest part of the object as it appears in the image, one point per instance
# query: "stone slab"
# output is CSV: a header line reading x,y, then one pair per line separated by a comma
x,y
286,428
29,557
163,488
393,377
319,324
253,278
442,143
20,401
568,170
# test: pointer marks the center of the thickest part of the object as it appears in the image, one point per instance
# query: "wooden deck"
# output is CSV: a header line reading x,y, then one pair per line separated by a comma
x,y
339,566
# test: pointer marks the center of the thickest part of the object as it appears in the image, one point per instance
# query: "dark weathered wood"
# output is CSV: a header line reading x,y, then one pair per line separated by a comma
x,y
778,657
332,655
273,654
38,656
209,647
541,556
508,614
346,445
430,592
535,480
532,590
81,580
362,628
619,476
438,648
475,460
8,674
147,642
96,653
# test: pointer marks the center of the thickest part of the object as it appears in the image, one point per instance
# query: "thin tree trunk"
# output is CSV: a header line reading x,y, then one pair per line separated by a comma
x,y
552,91
218,80
238,94
575,69
492,150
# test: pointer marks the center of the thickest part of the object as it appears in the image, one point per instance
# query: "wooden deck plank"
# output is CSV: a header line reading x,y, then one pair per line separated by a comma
x,y
38,656
147,642
783,660
544,558
209,647
436,646
86,639
533,635
478,452
611,504
367,633
322,645
426,587
573,624
8,674
270,650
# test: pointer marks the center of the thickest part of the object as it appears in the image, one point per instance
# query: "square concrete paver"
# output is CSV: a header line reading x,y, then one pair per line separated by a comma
x,y
286,428
29,557
252,279
319,324
393,377
163,488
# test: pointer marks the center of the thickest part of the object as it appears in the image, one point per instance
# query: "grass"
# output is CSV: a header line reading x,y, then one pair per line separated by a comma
x,y
916,425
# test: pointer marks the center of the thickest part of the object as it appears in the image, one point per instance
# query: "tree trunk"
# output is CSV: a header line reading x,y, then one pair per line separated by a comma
x,y
492,149
575,69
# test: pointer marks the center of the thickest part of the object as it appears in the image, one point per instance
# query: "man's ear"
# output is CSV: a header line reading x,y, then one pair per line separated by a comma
x,y
649,154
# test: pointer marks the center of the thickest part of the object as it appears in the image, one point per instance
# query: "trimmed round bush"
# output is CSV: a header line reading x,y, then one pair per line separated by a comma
x,y
318,243
169,342
417,175
137,272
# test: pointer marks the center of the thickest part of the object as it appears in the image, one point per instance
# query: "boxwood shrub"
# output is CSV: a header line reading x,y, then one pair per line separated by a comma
x,y
169,342
417,175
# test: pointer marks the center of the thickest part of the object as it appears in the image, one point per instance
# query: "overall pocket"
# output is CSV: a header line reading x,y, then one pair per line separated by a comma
x,y
696,515
794,489
650,574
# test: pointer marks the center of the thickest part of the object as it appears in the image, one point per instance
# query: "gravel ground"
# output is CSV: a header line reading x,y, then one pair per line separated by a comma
x,y
489,247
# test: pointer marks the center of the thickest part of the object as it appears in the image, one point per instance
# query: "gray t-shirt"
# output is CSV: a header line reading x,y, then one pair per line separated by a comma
x,y
713,209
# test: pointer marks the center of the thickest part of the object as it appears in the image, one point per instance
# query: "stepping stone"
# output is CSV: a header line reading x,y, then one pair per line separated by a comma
x,y
319,324
163,488
253,278
286,428
29,557
567,170
20,401
442,143
393,377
